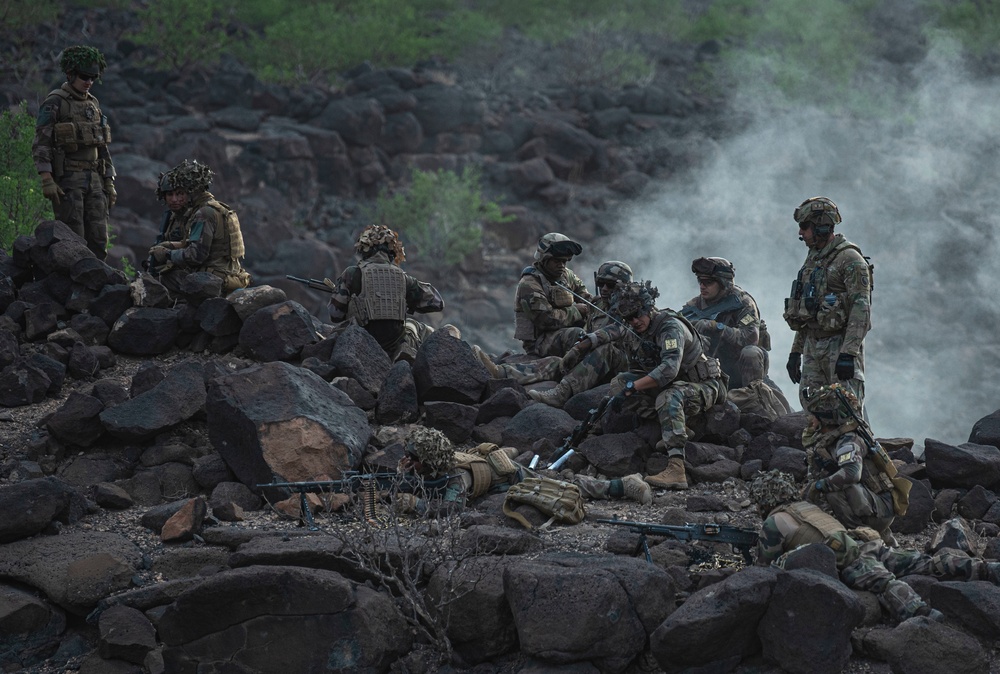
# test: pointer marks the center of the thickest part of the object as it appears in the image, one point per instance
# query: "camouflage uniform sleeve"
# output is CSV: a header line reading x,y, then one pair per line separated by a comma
x,y
856,277
798,342
536,306
769,544
422,298
578,286
609,333
743,327
670,339
205,222
341,295
848,454
44,145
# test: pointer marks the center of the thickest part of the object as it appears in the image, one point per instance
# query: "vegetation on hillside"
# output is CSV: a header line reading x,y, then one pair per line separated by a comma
x,y
22,204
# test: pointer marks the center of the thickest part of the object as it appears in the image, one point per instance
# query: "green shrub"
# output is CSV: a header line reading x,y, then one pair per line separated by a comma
x,y
440,215
22,204
182,33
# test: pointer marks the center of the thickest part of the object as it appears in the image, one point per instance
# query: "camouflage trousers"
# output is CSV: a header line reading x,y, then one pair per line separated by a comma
x,y
543,369
84,208
414,334
858,506
878,567
596,368
819,361
672,406
592,487
555,343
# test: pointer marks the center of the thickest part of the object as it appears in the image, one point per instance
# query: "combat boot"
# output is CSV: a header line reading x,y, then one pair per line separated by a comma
x,y
637,490
487,362
889,539
555,397
672,477
451,330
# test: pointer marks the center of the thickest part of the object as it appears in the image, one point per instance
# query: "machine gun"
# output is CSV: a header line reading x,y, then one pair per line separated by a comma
x,y
314,284
740,539
352,481
568,447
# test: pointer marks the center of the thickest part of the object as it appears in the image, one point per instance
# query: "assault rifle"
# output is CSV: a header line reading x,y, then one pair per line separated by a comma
x,y
741,539
568,447
313,283
352,481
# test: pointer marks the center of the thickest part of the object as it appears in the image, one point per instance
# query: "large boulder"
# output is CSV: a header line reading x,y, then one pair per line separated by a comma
x,y
168,404
963,466
986,431
446,369
278,331
29,507
145,331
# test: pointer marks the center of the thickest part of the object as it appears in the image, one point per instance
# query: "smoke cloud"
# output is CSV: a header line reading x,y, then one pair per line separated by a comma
x,y
917,190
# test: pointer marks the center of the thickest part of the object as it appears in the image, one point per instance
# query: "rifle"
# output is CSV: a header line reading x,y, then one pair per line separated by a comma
x,y
740,539
351,481
568,447
314,284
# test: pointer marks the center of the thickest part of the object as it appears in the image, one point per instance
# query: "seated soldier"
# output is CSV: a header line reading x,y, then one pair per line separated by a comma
x,y
431,455
377,295
863,560
755,396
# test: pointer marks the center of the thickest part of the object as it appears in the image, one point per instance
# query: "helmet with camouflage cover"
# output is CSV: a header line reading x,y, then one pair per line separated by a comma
x,y
718,268
191,176
771,489
555,244
613,270
82,60
636,298
433,449
832,404
821,212
380,237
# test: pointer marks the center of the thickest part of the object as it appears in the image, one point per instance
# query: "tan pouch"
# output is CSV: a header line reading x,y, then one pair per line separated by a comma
x,y
65,136
561,500
561,298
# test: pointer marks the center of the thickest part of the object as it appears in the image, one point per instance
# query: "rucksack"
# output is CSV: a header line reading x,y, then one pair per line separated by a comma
x,y
561,501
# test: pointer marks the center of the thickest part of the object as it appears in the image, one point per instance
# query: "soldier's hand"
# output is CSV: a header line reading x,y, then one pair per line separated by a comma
x,y
706,326
51,190
794,367
111,192
845,366
159,254
813,491
405,504
583,308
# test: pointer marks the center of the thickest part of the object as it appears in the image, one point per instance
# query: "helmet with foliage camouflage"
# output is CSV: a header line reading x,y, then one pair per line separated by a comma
x,y
718,268
637,298
375,236
831,404
818,210
771,489
81,60
433,449
555,244
191,176
613,270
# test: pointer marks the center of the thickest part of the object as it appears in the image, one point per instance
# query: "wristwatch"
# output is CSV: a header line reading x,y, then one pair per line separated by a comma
x,y
629,387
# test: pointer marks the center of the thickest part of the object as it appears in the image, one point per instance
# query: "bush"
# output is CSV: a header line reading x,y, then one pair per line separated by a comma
x,y
22,204
440,215
182,33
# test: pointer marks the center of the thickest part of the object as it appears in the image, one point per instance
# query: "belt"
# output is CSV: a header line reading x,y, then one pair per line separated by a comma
x,y
79,165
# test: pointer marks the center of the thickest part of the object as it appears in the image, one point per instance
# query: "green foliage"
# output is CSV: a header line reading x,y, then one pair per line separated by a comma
x,y
182,33
17,14
974,23
440,215
22,204
128,269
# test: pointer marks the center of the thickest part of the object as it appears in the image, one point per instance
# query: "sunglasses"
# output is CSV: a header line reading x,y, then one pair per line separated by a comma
x,y
88,78
601,283
706,281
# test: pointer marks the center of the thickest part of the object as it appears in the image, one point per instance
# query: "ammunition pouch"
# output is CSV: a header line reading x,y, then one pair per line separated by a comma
x,y
72,136
482,476
234,280
704,370
797,313
501,463
832,316
560,298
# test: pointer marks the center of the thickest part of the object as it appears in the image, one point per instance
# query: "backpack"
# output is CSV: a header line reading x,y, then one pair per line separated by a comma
x,y
562,501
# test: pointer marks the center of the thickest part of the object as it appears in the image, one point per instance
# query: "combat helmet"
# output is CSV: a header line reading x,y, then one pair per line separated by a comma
x,y
821,212
718,268
613,271
555,244
771,489
82,60
375,237
834,404
433,449
191,176
636,298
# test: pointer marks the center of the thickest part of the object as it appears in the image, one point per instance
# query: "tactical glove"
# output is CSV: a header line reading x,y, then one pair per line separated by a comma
x,y
794,367
845,366
706,326
159,255
109,190
52,191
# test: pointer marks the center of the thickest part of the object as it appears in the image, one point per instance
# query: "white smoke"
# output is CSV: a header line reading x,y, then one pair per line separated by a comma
x,y
918,192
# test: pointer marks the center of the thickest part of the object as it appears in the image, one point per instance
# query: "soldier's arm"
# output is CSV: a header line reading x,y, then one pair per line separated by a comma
x,y
743,327
205,223
670,339
769,544
422,298
577,285
798,342
537,307
858,296
848,454
341,295
43,147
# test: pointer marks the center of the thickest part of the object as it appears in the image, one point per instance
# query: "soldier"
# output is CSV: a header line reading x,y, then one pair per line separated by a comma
x,y
70,150
377,295
667,373
548,319
854,476
728,317
863,561
198,234
489,469
756,396
830,304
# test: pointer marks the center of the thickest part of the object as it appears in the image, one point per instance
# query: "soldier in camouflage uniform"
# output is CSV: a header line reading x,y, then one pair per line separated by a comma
x,y
199,233
844,470
377,295
665,372
548,319
488,469
864,561
830,304
70,150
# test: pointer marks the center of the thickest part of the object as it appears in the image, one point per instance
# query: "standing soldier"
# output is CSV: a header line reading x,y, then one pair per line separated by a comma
x,y
830,304
548,319
71,150
377,295
669,375
199,233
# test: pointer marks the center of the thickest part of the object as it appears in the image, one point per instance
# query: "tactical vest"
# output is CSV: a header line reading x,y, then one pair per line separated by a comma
x,y
79,136
815,526
812,305
479,467
524,328
382,296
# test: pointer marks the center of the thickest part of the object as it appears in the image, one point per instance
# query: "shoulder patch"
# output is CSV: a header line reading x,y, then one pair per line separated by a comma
x,y
669,344
747,320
